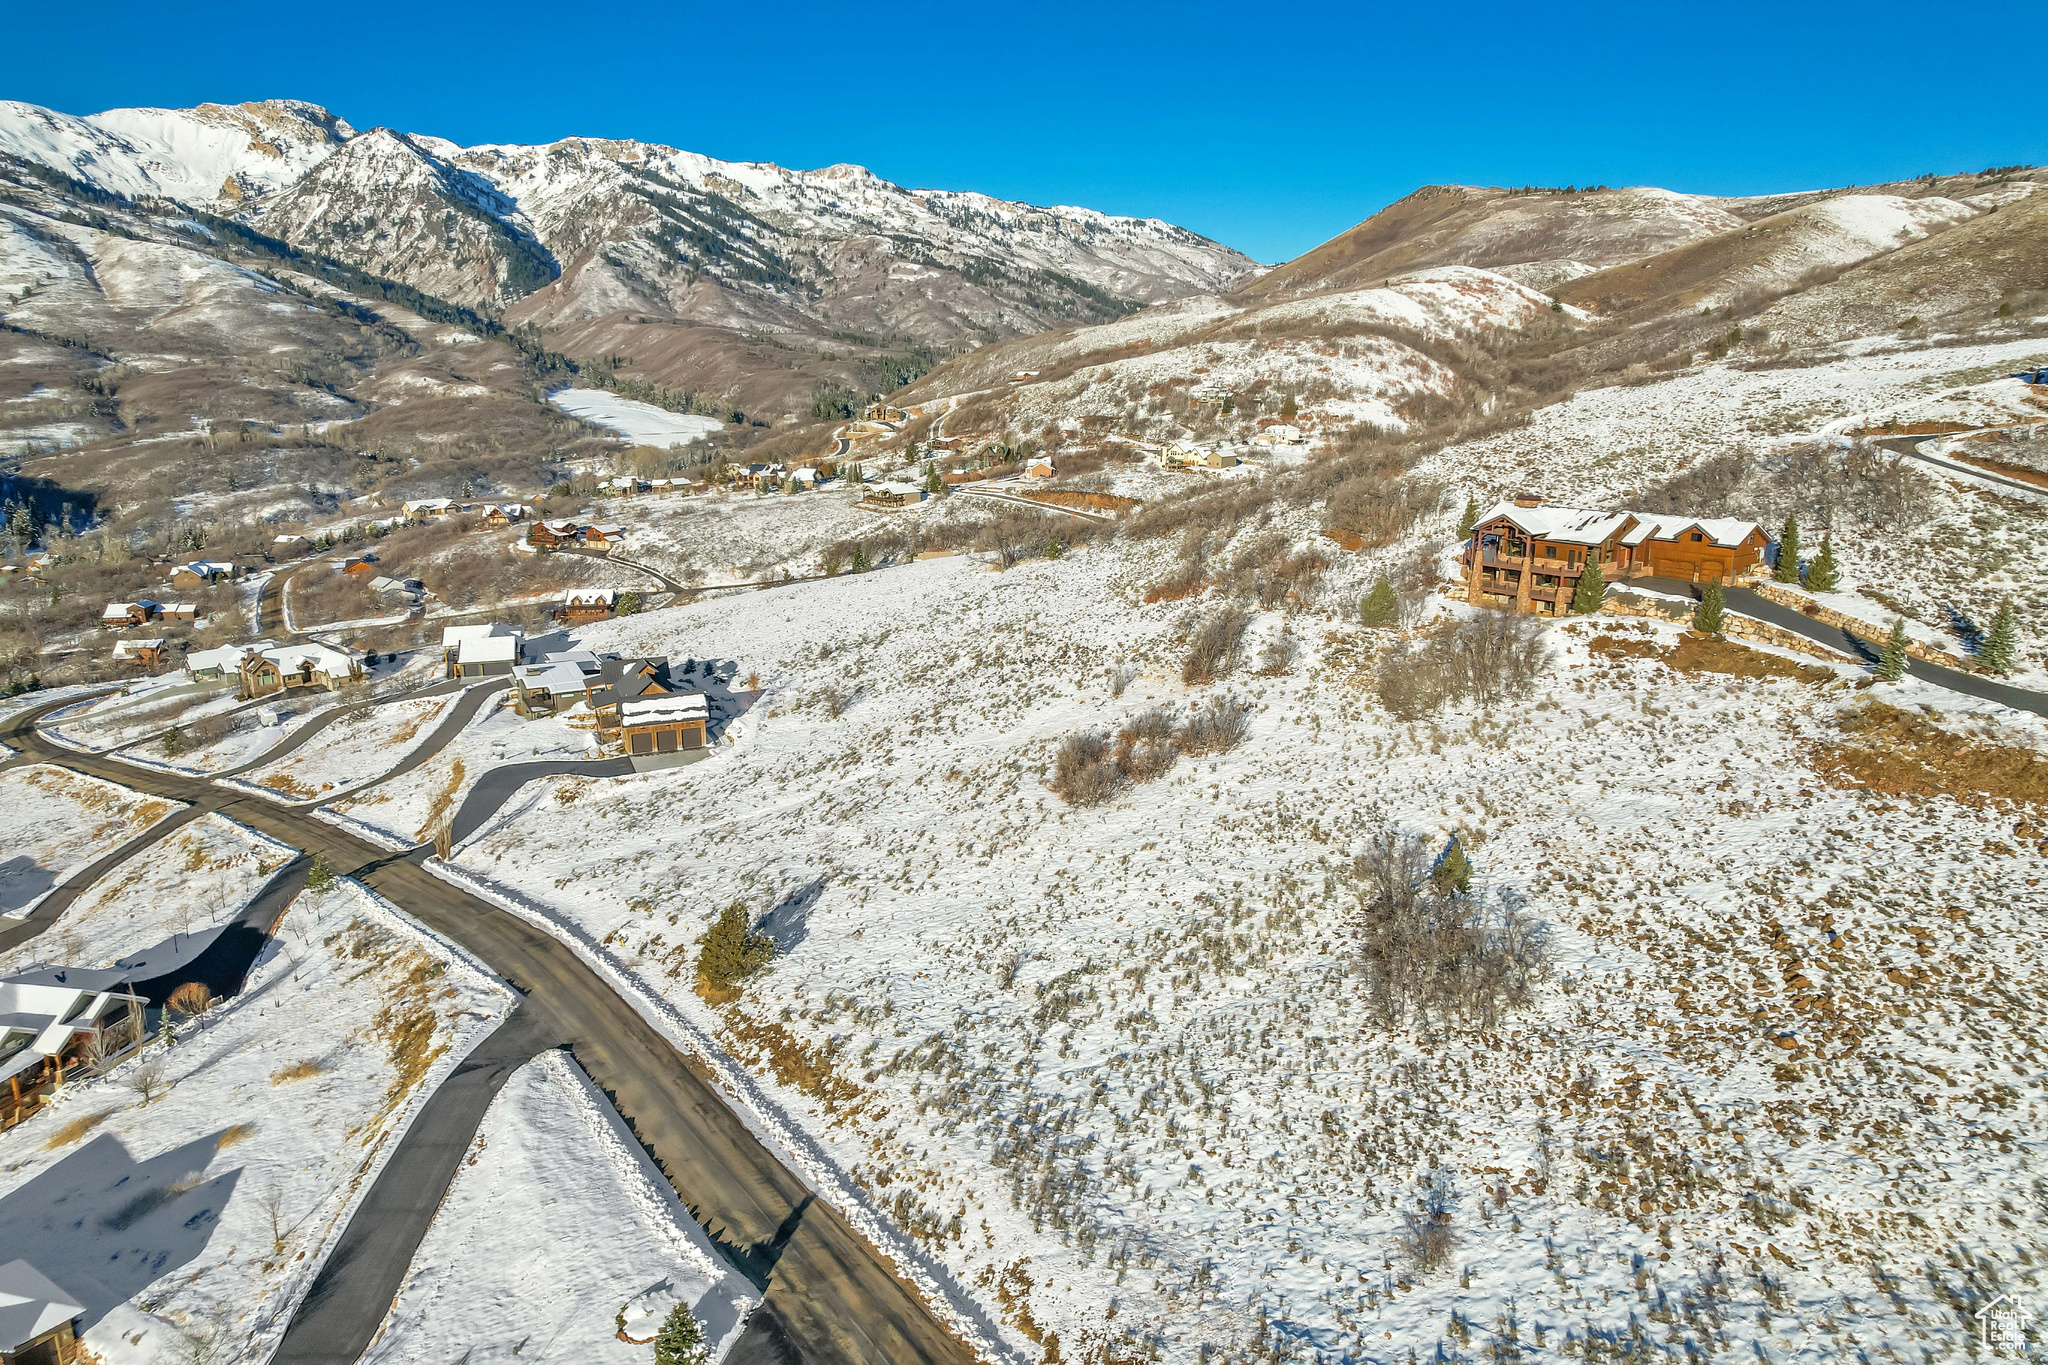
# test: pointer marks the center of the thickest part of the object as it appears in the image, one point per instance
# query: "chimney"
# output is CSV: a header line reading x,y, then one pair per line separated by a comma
x,y
1527,500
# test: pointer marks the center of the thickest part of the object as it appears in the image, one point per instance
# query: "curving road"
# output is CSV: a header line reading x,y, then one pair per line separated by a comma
x,y
830,1297
1748,603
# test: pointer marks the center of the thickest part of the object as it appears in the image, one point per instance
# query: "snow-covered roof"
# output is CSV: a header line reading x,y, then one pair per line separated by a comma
x,y
561,526
1554,521
120,611
428,504
30,1305
489,649
670,706
900,489
603,597
583,658
1728,531
206,568
557,678
287,540
177,608
126,649
608,529
311,657
452,636
224,658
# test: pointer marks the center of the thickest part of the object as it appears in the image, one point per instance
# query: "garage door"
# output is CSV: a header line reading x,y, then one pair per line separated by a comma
x,y
665,741
642,744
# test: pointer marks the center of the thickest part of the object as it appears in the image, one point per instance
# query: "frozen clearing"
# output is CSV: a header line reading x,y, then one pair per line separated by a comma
x,y
557,1233
57,822
158,1218
353,750
199,876
641,423
1116,1072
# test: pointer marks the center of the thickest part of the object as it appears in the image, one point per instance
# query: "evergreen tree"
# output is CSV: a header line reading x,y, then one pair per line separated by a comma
x,y
934,482
2000,642
680,1341
861,562
1469,520
1821,574
1891,659
1453,872
1707,617
1591,590
731,954
1379,606
629,603
320,875
1788,551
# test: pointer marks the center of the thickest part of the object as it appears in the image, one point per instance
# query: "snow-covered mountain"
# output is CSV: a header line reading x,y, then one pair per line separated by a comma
x,y
579,229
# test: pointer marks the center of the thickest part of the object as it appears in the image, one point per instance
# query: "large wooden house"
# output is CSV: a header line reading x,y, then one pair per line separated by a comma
x,y
273,668
553,535
583,605
60,1022
1528,555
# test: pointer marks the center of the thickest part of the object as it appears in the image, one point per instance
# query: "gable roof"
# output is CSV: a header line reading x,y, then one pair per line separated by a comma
x,y
1727,531
1553,521
455,635
670,707
30,1305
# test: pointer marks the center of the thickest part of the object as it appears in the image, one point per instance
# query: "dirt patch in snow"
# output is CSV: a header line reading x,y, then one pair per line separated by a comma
x,y
1707,654
1900,754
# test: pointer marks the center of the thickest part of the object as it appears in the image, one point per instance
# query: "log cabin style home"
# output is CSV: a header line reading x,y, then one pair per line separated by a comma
x,y
148,654
125,615
1528,555
553,535
273,668
500,515
583,605
622,680
38,1320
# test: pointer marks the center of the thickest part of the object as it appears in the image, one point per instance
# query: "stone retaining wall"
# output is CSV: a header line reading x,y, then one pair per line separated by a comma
x,y
1863,630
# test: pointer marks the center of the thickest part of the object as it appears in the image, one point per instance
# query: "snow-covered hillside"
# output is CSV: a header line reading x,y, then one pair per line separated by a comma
x,y
217,154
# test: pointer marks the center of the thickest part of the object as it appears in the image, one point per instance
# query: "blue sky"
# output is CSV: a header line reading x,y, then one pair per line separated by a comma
x,y
1269,127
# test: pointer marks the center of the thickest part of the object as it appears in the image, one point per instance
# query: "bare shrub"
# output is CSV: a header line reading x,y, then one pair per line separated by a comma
x,y
1427,1236
1494,657
1121,677
1271,571
1279,654
1379,511
834,700
1435,954
149,1079
1216,728
191,998
1085,772
1213,652
1144,746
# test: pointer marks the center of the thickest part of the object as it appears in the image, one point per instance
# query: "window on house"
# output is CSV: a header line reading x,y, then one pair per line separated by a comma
x,y
1697,536
1550,552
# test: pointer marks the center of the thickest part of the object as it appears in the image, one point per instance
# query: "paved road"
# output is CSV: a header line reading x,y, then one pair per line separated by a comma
x,y
1764,609
830,1297
1910,446
1004,495
496,787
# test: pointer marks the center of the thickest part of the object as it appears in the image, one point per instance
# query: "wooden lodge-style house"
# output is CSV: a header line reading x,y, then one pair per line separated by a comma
x,y
38,1320
1528,554
55,1021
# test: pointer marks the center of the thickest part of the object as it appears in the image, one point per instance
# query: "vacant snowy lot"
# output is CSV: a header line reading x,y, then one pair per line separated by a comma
x,y
557,1234
641,423
190,1224
58,822
354,750
125,718
201,875
1116,1071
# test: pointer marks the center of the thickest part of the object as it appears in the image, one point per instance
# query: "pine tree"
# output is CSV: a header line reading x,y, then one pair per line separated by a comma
x,y
1891,659
934,482
1591,591
1469,520
1707,617
1788,551
1453,872
320,875
731,954
1821,574
1379,606
861,562
2000,642
629,603
1288,408
680,1341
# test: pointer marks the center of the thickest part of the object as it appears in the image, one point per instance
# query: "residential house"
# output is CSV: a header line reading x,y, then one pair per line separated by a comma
x,y
587,604
1529,555
556,683
362,566
481,651
807,477
1281,434
1040,467
410,589
184,612
762,476
893,495
432,509
127,615
619,681
148,653
38,1321
499,515
664,724
273,668
206,665
201,573
1221,459
553,535
289,545
55,1020
608,534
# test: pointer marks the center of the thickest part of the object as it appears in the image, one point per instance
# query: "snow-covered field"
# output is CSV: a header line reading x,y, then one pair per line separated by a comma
x,y
199,876
641,423
410,807
557,1237
123,718
59,821
1113,1071
190,1225
356,749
